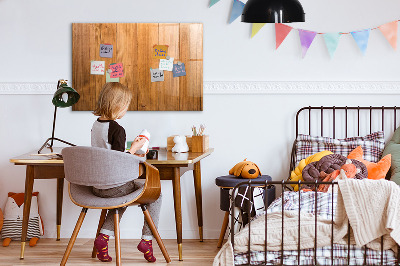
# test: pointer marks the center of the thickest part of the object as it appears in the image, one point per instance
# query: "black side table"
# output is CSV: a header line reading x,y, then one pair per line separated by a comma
x,y
226,183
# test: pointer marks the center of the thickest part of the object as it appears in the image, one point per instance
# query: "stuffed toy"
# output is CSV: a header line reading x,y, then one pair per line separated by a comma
x,y
245,169
296,174
13,215
180,144
375,170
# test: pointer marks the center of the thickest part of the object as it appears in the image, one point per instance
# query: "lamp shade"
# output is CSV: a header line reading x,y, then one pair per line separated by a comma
x,y
273,11
65,96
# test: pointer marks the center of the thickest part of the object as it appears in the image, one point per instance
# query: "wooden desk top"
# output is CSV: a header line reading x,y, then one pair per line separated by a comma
x,y
164,157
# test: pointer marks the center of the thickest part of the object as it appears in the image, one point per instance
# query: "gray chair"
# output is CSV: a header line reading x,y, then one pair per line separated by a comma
x,y
85,167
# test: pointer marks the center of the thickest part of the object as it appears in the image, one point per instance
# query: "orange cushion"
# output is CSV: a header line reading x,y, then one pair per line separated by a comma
x,y
375,170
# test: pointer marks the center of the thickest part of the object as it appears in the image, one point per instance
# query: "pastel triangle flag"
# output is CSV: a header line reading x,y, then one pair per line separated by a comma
x,y
306,39
361,37
256,28
281,31
237,9
389,30
332,41
213,2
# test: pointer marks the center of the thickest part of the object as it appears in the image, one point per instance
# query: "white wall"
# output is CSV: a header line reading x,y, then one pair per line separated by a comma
x,y
36,47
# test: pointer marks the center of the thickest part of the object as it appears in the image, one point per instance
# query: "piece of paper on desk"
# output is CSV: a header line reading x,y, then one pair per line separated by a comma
x,y
156,75
106,50
166,64
160,51
179,70
97,67
109,79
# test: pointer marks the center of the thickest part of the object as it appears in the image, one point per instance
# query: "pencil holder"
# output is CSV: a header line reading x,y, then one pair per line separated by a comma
x,y
200,143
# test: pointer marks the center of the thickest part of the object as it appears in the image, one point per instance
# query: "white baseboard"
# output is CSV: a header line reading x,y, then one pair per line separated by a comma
x,y
244,87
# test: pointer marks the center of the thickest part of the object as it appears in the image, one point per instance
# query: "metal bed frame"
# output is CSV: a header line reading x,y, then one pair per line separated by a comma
x,y
283,184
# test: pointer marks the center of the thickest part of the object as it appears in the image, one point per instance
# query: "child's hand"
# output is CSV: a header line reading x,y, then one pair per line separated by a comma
x,y
143,155
137,144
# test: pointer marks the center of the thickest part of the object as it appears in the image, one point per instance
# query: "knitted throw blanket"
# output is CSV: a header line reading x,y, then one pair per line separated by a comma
x,y
371,206
373,209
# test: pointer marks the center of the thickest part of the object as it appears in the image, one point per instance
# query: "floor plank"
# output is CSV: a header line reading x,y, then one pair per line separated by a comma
x,y
50,252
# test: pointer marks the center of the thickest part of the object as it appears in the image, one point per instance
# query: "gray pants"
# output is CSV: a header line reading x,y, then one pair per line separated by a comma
x,y
154,208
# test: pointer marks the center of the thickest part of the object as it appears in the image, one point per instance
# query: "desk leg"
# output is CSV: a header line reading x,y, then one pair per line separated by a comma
x,y
60,190
176,182
27,206
199,204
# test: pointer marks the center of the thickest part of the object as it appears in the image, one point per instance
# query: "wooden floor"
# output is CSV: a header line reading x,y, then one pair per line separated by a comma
x,y
50,252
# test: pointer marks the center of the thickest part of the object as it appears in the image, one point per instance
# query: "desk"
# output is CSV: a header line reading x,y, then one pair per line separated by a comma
x,y
171,167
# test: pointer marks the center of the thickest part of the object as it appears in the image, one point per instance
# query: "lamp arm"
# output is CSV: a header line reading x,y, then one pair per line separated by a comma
x,y
54,126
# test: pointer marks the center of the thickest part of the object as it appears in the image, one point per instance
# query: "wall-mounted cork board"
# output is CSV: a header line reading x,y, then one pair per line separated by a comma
x,y
133,47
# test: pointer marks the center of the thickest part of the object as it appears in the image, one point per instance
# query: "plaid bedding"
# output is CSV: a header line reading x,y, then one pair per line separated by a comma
x,y
322,207
372,145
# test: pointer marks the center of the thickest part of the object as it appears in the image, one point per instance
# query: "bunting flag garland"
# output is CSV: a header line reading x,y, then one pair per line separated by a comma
x,y
389,30
361,37
332,41
306,39
213,2
256,28
237,9
281,31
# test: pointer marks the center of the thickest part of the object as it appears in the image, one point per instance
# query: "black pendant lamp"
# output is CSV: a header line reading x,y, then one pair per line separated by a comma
x,y
273,11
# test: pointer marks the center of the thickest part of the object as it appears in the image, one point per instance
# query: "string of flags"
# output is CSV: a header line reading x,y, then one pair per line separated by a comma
x,y
361,37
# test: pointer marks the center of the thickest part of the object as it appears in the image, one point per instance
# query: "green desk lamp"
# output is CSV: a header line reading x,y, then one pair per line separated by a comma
x,y
64,97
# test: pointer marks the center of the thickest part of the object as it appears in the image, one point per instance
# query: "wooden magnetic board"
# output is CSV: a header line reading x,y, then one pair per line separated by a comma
x,y
133,47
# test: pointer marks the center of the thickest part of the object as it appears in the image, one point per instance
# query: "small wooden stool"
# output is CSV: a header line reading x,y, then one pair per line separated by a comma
x,y
226,183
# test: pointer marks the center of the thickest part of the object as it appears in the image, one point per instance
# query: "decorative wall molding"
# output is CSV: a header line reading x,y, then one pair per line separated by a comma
x,y
302,87
244,87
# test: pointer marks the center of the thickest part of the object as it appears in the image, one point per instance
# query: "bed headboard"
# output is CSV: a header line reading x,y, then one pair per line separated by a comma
x,y
344,121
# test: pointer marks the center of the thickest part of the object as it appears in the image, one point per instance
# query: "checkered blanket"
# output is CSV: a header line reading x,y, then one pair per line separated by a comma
x,y
324,206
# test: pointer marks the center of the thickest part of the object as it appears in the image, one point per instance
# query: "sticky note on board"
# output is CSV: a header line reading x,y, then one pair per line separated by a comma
x,y
179,70
117,70
156,75
160,51
109,79
106,50
166,64
97,67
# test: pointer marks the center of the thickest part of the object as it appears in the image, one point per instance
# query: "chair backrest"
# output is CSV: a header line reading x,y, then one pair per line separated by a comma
x,y
91,166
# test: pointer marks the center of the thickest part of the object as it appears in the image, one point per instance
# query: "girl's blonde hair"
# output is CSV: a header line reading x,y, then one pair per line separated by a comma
x,y
113,97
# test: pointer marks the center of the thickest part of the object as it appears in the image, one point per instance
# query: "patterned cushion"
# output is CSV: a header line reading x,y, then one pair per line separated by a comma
x,y
372,144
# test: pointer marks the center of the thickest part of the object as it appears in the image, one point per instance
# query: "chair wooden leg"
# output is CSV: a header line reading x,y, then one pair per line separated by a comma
x,y
154,230
223,229
117,238
101,222
73,237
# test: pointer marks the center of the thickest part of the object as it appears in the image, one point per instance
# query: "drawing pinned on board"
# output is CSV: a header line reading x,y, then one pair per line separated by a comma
x,y
179,70
106,50
97,67
160,51
110,79
166,64
156,75
117,70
